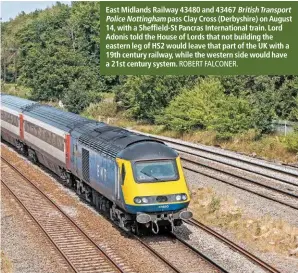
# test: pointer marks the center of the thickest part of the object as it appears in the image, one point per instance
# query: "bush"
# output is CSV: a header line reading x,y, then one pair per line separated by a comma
x,y
291,142
16,90
232,117
193,109
106,109
146,96
207,106
78,97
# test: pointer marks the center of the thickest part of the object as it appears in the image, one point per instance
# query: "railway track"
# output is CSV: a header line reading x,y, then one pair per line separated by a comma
x,y
233,246
179,255
285,173
162,249
281,196
79,251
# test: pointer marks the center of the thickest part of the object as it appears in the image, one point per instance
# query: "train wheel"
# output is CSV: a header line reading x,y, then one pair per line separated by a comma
x,y
136,229
165,229
22,148
32,155
69,180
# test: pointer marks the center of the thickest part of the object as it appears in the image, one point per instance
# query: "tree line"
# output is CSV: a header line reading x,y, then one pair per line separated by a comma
x,y
56,53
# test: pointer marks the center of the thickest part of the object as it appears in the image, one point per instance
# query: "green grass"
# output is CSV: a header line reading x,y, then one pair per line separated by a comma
x,y
15,90
6,265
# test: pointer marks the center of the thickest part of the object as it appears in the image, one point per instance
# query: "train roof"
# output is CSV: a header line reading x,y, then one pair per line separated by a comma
x,y
147,150
108,140
118,142
15,103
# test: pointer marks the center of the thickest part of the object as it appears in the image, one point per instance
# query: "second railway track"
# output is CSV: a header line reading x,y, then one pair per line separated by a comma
x,y
233,246
288,199
286,173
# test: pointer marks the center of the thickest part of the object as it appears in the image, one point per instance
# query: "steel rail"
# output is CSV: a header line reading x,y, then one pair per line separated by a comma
x,y
242,188
64,214
234,246
159,256
40,226
240,177
203,256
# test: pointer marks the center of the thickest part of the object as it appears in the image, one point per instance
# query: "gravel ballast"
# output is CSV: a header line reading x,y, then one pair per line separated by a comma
x,y
24,243
252,206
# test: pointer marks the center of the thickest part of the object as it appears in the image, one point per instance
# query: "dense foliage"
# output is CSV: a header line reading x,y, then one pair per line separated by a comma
x,y
55,52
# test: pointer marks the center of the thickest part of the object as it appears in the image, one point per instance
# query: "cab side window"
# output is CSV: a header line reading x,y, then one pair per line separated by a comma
x,y
123,173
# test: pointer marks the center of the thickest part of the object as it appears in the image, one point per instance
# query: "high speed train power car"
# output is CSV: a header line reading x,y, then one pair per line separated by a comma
x,y
137,180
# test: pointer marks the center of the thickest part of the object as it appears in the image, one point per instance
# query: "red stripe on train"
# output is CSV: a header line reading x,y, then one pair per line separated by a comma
x,y
21,126
67,151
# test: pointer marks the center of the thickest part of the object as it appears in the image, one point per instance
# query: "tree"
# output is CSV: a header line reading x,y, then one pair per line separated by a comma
x,y
233,116
287,98
146,96
208,107
78,97
195,108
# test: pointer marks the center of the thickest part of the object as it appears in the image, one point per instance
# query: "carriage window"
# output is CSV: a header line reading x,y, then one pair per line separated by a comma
x,y
10,118
45,135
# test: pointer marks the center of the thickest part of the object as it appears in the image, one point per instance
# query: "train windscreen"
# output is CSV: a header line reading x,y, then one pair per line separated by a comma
x,y
155,171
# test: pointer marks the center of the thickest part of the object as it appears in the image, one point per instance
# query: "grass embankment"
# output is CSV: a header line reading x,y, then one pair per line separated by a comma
x,y
15,90
265,234
6,266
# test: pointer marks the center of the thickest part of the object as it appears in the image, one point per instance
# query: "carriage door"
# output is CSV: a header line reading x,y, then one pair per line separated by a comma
x,y
85,165
120,178
74,158
118,182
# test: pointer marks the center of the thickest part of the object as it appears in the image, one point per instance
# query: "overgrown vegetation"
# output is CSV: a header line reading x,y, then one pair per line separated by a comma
x,y
6,266
15,90
272,147
208,107
264,233
55,53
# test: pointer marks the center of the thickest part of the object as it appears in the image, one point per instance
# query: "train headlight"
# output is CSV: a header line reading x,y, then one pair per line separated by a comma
x,y
178,197
138,200
184,197
145,200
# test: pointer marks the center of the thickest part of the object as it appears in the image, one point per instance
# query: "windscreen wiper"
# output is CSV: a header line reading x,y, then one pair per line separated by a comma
x,y
150,175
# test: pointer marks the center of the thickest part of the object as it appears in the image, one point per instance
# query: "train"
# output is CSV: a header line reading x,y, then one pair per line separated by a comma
x,y
136,180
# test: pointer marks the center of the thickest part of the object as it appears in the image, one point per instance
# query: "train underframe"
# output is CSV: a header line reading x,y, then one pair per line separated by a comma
x,y
137,224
